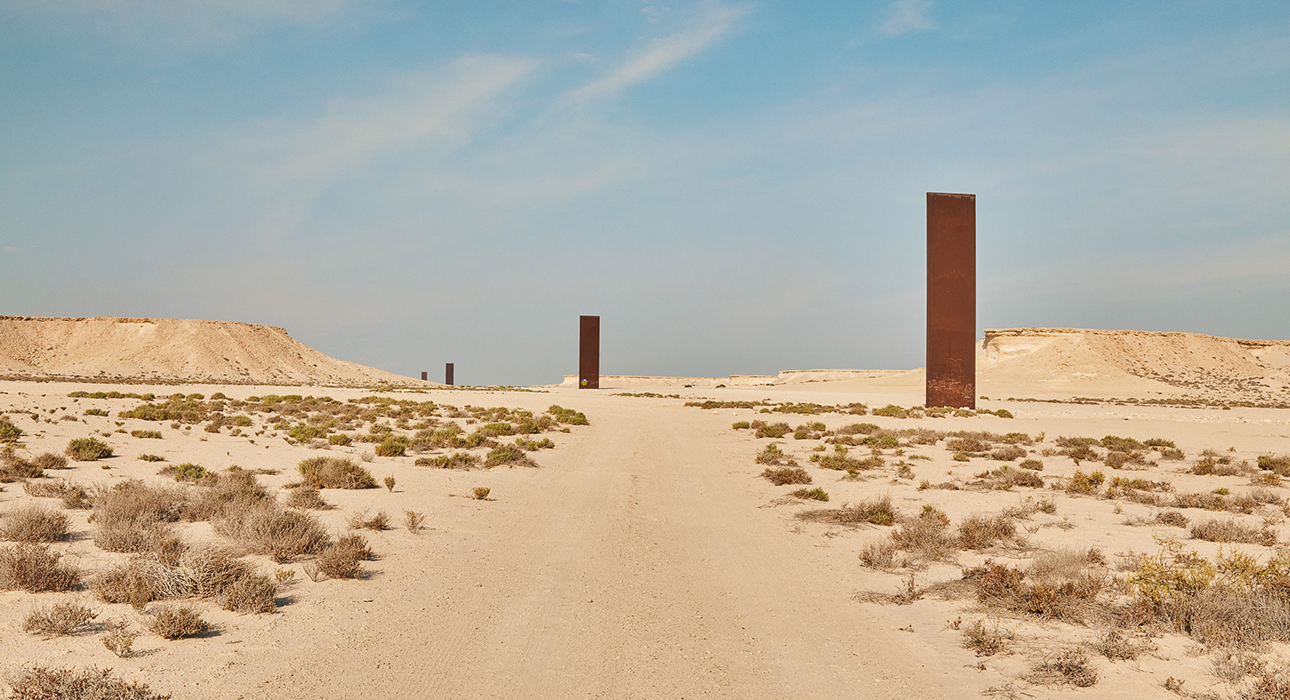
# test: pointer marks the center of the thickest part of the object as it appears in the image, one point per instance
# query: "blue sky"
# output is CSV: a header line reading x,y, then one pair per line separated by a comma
x,y
735,187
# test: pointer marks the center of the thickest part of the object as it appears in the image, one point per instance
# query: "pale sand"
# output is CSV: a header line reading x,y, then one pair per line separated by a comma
x,y
644,559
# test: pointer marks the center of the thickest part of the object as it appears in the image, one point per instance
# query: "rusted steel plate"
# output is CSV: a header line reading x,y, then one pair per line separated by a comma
x,y
588,352
424,376
447,373
951,300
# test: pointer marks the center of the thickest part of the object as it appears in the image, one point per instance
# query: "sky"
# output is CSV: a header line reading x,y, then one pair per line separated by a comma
x,y
733,187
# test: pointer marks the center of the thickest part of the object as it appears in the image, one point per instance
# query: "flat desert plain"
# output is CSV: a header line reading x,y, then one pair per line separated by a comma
x,y
647,554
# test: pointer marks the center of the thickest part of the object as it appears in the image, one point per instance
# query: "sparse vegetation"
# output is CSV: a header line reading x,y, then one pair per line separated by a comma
x,y
177,622
335,473
88,449
48,683
146,434
32,523
58,619
362,520
816,494
35,568
341,560
786,475
413,520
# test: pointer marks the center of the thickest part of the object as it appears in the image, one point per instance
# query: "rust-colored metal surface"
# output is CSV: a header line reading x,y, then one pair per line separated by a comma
x,y
951,300
588,352
425,376
447,373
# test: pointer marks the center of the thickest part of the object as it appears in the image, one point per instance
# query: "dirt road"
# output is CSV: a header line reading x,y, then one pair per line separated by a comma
x,y
638,563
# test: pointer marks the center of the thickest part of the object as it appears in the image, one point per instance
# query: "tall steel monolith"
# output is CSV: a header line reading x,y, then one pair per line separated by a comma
x,y
447,373
951,300
588,352
425,376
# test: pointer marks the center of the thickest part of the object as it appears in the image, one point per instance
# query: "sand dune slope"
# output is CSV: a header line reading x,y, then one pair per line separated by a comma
x,y
170,350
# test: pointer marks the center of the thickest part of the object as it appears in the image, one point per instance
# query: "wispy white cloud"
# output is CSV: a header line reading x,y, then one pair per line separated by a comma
x,y
908,16
441,107
663,53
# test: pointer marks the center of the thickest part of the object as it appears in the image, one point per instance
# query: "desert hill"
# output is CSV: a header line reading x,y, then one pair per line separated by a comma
x,y
168,350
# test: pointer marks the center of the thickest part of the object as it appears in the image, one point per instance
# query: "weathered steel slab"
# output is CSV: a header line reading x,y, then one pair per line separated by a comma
x,y
588,352
425,376
951,300
447,373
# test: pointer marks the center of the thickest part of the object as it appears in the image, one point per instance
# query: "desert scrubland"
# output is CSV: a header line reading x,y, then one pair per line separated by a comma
x,y
1110,521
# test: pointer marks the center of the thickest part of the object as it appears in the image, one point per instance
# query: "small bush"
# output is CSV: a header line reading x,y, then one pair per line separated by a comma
x,y
481,492
413,520
1277,464
306,498
1082,483
265,528
981,531
816,494
878,511
393,446
50,460
1171,518
341,560
335,473
1008,453
142,580
568,416
255,593
340,439
35,568
786,475
8,431
1032,464
152,458
739,425
456,460
508,454
119,641
146,434
88,449
177,622
133,516
33,523
73,496
362,521
48,683
985,640
1069,667
184,472
1232,531
773,430
58,619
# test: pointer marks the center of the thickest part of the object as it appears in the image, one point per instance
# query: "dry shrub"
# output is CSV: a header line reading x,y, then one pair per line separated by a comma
x,y
33,523
787,475
480,492
980,531
140,581
35,568
816,494
878,511
969,445
1215,501
512,455
456,460
210,571
1232,531
177,622
926,538
1115,646
1171,518
1081,483
47,683
335,473
1008,453
360,520
264,527
254,593
774,430
132,516
1032,464
774,456
50,460
14,468
234,490
73,496
413,520
341,559
88,449
985,640
1069,667
1006,477
306,498
58,619
880,554
1274,463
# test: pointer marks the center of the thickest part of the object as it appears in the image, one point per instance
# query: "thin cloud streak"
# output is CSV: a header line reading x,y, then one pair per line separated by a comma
x,y
908,16
663,54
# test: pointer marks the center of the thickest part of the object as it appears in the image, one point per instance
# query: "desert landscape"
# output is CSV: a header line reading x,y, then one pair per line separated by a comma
x,y
1110,521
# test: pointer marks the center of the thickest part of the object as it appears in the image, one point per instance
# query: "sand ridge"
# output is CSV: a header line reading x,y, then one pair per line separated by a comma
x,y
170,350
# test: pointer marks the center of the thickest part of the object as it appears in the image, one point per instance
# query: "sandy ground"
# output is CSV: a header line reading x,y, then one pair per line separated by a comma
x,y
645,558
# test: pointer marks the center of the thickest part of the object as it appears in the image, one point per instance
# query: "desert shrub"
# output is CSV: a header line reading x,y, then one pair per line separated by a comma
x,y
1119,444
456,460
1216,501
772,430
35,568
184,472
341,560
132,516
739,425
33,523
58,619
1116,647
232,489
968,445
50,460
786,475
335,473
840,460
981,531
816,494
303,432
985,640
392,446
306,498
1069,667
151,458
340,439
88,449
72,495
481,492
1006,477
254,593
926,537
48,683
13,467
1171,518
1032,464
508,454
1008,453
413,520
177,622
1278,464
568,416
891,411
141,580
1232,531
265,528
362,520
877,511
146,434
8,431
774,456
1082,483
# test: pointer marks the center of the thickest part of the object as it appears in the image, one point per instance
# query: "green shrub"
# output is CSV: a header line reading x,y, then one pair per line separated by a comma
x,y
185,472
146,434
96,412
1278,464
456,460
774,430
8,431
392,446
508,454
891,411
739,425
786,475
152,458
817,494
88,449
303,432
568,416
341,439
335,473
